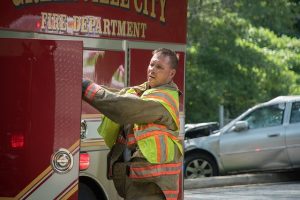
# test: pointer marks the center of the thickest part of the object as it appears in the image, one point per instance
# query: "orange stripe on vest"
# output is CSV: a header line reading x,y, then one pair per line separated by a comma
x,y
158,148
170,96
175,111
171,191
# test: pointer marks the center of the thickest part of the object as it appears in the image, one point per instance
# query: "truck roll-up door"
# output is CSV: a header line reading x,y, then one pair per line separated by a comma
x,y
40,107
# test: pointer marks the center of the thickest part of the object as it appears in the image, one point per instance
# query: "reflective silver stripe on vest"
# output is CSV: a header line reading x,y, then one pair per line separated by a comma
x,y
166,95
163,148
91,91
140,133
155,170
131,139
167,98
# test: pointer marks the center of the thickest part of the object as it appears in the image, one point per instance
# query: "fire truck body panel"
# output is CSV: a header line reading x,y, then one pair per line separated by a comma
x,y
34,130
143,20
117,38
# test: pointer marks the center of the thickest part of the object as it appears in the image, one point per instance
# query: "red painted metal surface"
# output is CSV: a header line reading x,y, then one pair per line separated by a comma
x,y
138,70
150,20
40,107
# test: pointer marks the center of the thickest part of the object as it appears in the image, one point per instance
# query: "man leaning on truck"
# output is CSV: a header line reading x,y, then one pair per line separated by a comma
x,y
141,127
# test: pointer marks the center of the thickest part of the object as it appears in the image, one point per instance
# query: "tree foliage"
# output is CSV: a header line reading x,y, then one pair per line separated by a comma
x,y
237,58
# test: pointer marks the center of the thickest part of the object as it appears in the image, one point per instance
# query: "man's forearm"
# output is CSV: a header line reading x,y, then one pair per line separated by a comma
x,y
122,109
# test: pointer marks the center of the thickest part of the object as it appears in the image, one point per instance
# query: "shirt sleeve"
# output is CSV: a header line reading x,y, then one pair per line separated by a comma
x,y
130,109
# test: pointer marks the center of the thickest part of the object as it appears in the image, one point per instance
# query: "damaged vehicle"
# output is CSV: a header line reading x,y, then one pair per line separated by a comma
x,y
264,138
200,129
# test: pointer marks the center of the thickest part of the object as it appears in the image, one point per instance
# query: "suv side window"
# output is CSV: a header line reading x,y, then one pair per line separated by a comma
x,y
266,116
295,113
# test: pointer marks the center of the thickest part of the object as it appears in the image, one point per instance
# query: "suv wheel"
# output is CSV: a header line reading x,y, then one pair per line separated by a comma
x,y
199,166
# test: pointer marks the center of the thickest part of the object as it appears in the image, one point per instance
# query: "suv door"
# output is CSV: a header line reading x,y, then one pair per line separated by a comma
x,y
261,146
293,135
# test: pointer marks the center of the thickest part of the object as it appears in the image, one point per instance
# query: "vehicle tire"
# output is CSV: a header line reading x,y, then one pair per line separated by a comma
x,y
86,193
199,165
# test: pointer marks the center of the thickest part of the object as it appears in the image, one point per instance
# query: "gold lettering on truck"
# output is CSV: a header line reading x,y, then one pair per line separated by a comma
x,y
115,2
113,24
18,2
77,24
147,7
121,28
91,25
138,8
98,29
124,4
162,10
53,22
104,1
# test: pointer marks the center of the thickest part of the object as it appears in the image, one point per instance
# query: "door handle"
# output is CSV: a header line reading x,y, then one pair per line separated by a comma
x,y
274,135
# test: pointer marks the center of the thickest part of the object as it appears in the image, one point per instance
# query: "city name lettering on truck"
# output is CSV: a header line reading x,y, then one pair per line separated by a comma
x,y
140,6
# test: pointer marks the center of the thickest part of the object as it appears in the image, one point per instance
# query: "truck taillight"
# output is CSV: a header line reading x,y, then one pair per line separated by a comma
x,y
38,24
84,161
17,140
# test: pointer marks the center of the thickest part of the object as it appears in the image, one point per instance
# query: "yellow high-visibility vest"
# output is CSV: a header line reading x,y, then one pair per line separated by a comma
x,y
109,130
156,142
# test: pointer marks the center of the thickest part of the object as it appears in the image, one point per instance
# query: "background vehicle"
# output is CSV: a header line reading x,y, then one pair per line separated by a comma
x,y
111,42
200,129
266,137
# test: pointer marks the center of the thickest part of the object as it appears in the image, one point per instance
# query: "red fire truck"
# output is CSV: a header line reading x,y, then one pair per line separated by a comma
x,y
49,145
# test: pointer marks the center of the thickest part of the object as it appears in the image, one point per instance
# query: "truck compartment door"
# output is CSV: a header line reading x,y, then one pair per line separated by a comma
x,y
40,118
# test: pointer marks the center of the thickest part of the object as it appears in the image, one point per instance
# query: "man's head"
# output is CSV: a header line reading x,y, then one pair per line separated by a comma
x,y
162,67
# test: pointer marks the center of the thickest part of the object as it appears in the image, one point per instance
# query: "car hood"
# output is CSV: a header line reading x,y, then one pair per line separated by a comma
x,y
206,142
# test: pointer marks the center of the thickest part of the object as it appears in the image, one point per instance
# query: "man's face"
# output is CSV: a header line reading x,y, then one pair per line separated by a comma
x,y
160,71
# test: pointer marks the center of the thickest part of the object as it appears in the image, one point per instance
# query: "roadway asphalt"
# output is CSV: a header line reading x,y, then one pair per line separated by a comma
x,y
242,179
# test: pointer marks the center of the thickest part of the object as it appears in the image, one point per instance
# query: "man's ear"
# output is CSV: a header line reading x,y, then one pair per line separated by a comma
x,y
172,73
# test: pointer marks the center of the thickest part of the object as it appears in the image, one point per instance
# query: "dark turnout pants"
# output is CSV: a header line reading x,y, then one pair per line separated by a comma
x,y
139,180
134,189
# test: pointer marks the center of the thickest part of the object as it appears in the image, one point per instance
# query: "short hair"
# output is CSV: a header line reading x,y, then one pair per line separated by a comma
x,y
169,53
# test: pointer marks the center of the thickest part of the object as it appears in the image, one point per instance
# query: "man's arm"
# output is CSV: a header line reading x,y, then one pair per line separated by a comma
x,y
127,108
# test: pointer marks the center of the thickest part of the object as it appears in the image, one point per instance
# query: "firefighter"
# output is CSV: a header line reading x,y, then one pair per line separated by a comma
x,y
141,126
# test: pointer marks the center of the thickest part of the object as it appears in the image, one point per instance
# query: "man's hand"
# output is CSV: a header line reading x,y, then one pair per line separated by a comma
x,y
85,84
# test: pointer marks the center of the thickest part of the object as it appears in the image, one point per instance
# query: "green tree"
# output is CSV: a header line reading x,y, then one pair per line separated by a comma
x,y
234,62
279,16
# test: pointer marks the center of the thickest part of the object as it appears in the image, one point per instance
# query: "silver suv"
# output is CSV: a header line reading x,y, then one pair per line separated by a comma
x,y
265,137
